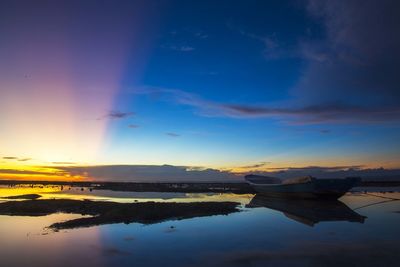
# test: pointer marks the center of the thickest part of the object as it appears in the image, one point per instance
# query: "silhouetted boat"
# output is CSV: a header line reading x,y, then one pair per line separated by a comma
x,y
304,187
309,212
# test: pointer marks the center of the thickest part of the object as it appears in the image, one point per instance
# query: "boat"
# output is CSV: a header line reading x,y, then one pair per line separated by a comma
x,y
303,187
308,211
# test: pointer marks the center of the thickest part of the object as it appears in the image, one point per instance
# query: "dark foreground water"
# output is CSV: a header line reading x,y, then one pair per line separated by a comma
x,y
359,230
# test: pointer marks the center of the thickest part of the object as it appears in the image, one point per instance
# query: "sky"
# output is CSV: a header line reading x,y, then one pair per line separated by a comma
x,y
197,90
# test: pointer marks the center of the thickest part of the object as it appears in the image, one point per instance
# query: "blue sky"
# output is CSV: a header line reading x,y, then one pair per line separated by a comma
x,y
219,84
255,54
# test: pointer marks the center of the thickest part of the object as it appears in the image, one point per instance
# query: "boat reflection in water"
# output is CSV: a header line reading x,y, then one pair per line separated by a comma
x,y
309,212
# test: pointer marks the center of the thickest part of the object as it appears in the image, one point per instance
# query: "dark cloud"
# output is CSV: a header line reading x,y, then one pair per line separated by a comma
x,y
133,126
173,134
333,172
169,173
10,158
360,55
117,115
152,173
322,113
354,64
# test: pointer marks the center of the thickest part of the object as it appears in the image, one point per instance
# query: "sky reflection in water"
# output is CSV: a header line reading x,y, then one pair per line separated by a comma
x,y
256,236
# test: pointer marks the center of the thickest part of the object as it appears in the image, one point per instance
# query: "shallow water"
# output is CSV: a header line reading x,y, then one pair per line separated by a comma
x,y
360,230
82,193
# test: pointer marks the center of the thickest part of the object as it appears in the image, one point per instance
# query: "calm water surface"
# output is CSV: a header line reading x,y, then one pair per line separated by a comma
x,y
360,230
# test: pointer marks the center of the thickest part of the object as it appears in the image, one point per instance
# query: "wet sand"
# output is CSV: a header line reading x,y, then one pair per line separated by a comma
x,y
104,212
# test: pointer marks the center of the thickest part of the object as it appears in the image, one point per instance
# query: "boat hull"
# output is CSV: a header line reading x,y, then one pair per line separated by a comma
x,y
317,188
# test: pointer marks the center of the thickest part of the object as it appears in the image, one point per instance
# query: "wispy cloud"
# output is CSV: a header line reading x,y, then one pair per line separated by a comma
x,y
10,158
201,35
311,114
133,126
173,134
182,48
324,113
272,48
26,172
181,40
179,48
255,166
63,162
24,159
117,115
17,158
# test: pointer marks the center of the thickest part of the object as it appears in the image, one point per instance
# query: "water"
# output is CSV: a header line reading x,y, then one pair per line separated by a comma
x,y
353,232
82,193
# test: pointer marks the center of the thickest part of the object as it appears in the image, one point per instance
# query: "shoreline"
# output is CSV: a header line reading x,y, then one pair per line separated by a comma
x,y
176,187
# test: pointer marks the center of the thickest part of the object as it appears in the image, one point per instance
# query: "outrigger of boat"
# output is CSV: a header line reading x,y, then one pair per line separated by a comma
x,y
303,187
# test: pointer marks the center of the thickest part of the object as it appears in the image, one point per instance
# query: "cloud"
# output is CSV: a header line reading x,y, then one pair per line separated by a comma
x,y
149,173
117,115
255,166
170,173
173,134
177,40
273,48
188,33
323,113
63,162
25,172
358,58
24,159
133,126
184,48
355,64
201,35
310,114
17,158
180,48
332,172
